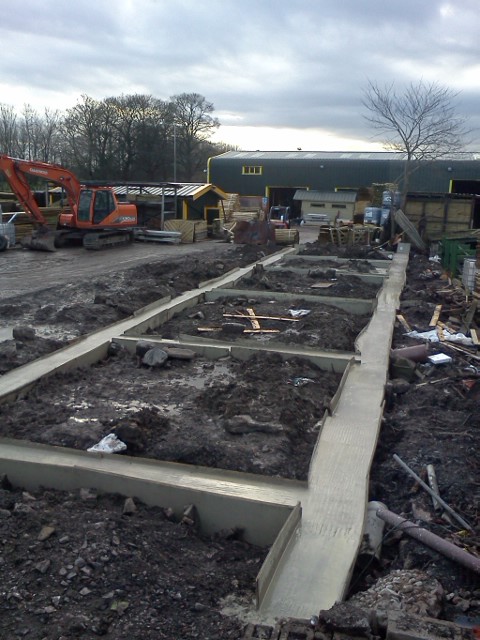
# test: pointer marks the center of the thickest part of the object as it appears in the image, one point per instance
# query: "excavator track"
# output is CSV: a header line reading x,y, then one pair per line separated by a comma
x,y
103,239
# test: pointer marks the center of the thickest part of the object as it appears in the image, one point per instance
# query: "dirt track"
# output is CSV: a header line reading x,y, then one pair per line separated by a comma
x,y
26,271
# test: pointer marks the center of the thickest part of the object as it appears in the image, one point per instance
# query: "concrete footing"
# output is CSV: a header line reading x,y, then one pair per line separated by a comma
x,y
315,528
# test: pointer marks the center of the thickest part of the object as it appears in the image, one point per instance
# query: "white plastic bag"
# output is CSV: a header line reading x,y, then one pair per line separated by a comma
x,y
109,444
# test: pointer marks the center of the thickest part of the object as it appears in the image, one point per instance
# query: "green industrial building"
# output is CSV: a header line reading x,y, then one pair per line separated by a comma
x,y
276,176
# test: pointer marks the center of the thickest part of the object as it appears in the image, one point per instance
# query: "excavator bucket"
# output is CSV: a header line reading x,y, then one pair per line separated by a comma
x,y
42,239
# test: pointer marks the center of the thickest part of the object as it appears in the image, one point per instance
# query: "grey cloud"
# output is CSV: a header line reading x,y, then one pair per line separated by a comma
x,y
272,62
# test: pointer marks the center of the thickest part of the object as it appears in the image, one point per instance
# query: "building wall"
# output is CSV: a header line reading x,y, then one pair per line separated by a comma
x,y
331,209
332,173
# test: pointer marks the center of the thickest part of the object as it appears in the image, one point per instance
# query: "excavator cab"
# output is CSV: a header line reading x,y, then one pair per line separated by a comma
x,y
95,205
280,217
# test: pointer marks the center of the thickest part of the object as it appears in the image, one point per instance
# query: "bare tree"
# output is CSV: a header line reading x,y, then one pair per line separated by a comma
x,y
88,135
194,126
9,143
28,133
420,121
154,141
38,136
50,142
141,131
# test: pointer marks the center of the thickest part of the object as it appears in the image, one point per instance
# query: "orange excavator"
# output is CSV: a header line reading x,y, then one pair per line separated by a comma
x,y
94,214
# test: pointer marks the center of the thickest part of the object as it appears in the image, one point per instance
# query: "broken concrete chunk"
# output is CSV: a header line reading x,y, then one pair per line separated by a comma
x,y
23,333
190,516
155,357
404,626
233,327
114,348
398,385
142,347
45,533
347,618
129,506
178,353
42,567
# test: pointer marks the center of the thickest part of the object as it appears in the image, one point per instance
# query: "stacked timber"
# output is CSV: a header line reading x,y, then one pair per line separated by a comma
x,y
235,212
287,236
229,205
244,215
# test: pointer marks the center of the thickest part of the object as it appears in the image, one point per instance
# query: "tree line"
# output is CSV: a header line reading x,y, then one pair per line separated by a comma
x,y
131,138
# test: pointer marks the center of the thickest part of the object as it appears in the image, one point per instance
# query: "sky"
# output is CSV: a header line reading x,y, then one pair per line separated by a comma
x,y
281,74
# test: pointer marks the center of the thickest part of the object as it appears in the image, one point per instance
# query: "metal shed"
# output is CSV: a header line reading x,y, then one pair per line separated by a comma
x,y
326,206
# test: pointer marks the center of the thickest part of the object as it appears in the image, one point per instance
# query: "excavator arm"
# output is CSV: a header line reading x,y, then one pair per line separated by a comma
x,y
16,172
95,216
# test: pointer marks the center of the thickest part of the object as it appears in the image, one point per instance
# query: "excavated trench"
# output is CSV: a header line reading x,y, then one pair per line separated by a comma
x,y
243,409
256,411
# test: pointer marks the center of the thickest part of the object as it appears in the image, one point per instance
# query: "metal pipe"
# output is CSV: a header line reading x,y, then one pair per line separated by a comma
x,y
430,539
432,493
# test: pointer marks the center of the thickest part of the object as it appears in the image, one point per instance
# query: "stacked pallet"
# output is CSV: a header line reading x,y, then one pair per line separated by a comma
x,y
235,212
244,215
229,205
287,236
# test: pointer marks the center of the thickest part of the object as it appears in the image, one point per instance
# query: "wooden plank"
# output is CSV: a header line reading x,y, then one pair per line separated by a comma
x,y
442,325
218,329
241,315
465,352
403,322
474,336
469,315
436,315
253,320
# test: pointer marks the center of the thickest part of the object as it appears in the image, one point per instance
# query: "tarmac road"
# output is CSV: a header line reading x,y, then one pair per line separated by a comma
x,y
24,271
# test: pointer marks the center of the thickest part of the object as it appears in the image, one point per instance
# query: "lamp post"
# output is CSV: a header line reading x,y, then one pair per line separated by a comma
x,y
174,152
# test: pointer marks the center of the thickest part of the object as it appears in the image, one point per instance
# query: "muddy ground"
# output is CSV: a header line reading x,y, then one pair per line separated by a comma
x,y
82,566
64,312
323,326
317,281
260,416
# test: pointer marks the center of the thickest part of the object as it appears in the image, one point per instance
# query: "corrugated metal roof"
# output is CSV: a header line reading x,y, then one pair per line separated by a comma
x,y
325,196
312,155
335,155
183,190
